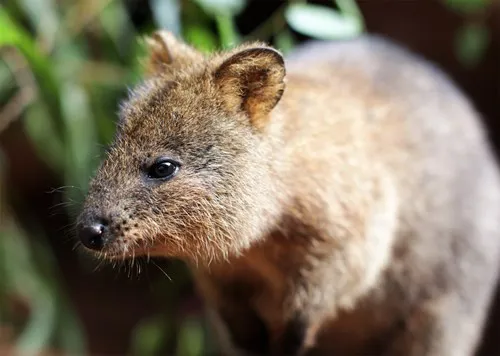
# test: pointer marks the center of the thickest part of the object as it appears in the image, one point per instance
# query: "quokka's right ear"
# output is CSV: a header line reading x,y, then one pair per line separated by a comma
x,y
166,53
252,80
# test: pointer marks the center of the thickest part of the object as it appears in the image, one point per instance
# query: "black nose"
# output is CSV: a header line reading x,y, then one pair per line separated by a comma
x,y
92,237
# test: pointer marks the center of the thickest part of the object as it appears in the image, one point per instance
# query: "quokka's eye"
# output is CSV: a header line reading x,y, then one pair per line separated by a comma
x,y
163,169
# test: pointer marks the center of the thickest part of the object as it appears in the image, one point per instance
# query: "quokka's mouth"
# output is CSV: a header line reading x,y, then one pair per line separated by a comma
x,y
99,241
110,240
120,250
105,238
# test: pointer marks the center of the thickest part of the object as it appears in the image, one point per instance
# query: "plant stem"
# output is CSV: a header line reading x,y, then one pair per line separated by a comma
x,y
227,31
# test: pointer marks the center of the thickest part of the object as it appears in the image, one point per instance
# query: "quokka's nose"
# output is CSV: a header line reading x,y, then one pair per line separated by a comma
x,y
92,235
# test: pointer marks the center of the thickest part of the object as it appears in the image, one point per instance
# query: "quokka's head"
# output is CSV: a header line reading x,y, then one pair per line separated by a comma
x,y
189,173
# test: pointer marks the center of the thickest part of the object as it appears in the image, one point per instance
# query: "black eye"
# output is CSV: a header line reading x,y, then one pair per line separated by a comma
x,y
163,169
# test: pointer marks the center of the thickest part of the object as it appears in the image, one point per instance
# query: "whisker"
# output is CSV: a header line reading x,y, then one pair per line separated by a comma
x,y
76,245
138,268
62,188
63,204
101,261
70,227
165,273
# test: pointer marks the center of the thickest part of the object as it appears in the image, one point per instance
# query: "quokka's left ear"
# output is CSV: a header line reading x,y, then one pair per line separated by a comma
x,y
252,80
166,53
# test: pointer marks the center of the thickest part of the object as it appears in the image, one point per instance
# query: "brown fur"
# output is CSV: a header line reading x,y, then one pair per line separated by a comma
x,y
356,215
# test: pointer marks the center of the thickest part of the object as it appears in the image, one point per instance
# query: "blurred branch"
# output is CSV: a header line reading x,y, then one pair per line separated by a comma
x,y
96,72
15,107
43,15
27,88
469,7
81,14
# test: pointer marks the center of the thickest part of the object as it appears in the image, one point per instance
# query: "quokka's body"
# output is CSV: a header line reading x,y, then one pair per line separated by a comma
x,y
343,201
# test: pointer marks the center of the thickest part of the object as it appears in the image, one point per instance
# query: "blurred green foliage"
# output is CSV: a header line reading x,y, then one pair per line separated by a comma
x,y
64,66
473,37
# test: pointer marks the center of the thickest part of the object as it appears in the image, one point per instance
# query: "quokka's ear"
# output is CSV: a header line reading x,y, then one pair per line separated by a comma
x,y
167,54
252,80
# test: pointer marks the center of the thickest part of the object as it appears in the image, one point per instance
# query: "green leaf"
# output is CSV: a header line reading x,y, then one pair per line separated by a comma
x,y
81,134
349,8
44,17
467,6
148,336
40,128
7,85
224,11
6,78
3,230
104,103
471,43
69,331
24,280
322,22
227,31
200,38
284,41
190,341
119,27
13,35
217,7
28,272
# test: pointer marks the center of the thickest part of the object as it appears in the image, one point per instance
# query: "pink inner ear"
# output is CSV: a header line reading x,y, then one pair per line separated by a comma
x,y
253,81
257,57
159,50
